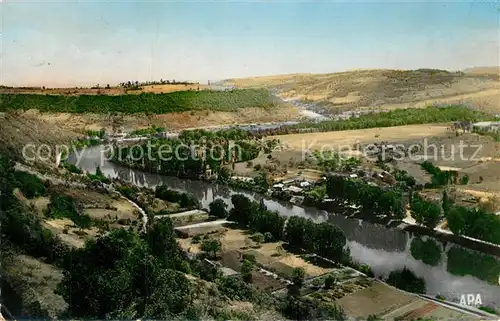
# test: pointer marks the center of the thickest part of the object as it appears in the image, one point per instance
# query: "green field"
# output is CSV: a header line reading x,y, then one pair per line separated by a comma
x,y
147,102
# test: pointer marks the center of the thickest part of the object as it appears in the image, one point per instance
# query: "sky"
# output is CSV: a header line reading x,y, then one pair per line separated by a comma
x,y
69,43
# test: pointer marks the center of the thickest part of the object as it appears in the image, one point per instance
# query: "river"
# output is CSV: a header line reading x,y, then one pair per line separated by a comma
x,y
384,249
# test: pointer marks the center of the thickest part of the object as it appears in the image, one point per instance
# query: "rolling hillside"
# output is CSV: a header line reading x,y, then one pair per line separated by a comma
x,y
382,88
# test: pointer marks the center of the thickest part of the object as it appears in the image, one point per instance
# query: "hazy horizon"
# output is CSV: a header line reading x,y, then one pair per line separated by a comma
x,y
84,43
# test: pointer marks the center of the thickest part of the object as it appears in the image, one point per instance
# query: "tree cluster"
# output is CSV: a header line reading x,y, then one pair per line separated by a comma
x,y
405,279
21,227
474,222
462,262
164,103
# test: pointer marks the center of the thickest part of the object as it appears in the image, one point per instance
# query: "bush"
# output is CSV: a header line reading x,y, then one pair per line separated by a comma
x,y
249,257
196,239
298,276
29,184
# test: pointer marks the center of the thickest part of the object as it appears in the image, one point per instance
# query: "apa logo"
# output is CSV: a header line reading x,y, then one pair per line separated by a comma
x,y
471,300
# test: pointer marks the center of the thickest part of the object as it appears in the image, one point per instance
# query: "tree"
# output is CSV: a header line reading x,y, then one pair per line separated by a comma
x,y
329,241
218,208
163,244
211,246
246,271
406,280
117,276
424,212
298,276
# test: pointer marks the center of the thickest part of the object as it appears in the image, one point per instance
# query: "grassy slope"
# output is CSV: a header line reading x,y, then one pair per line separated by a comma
x,y
377,88
152,103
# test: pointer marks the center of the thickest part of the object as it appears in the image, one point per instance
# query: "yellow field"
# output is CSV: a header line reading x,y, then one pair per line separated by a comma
x,y
315,141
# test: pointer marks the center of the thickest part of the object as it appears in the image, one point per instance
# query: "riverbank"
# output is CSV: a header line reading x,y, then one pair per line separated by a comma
x,y
384,249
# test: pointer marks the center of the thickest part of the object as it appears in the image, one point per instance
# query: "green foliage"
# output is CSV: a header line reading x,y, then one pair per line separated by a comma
x,y
374,201
406,280
147,131
246,270
64,206
424,212
185,200
144,103
465,262
258,238
464,180
403,176
117,276
490,310
294,308
474,222
439,177
427,251
98,176
298,276
218,208
447,202
71,168
211,247
29,184
163,245
399,117
256,217
96,133
324,239
249,257
235,289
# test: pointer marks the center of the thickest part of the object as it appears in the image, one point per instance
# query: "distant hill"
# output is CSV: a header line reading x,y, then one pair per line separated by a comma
x,y
385,88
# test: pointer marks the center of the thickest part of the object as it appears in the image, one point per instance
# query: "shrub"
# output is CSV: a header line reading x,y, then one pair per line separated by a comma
x,y
258,237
